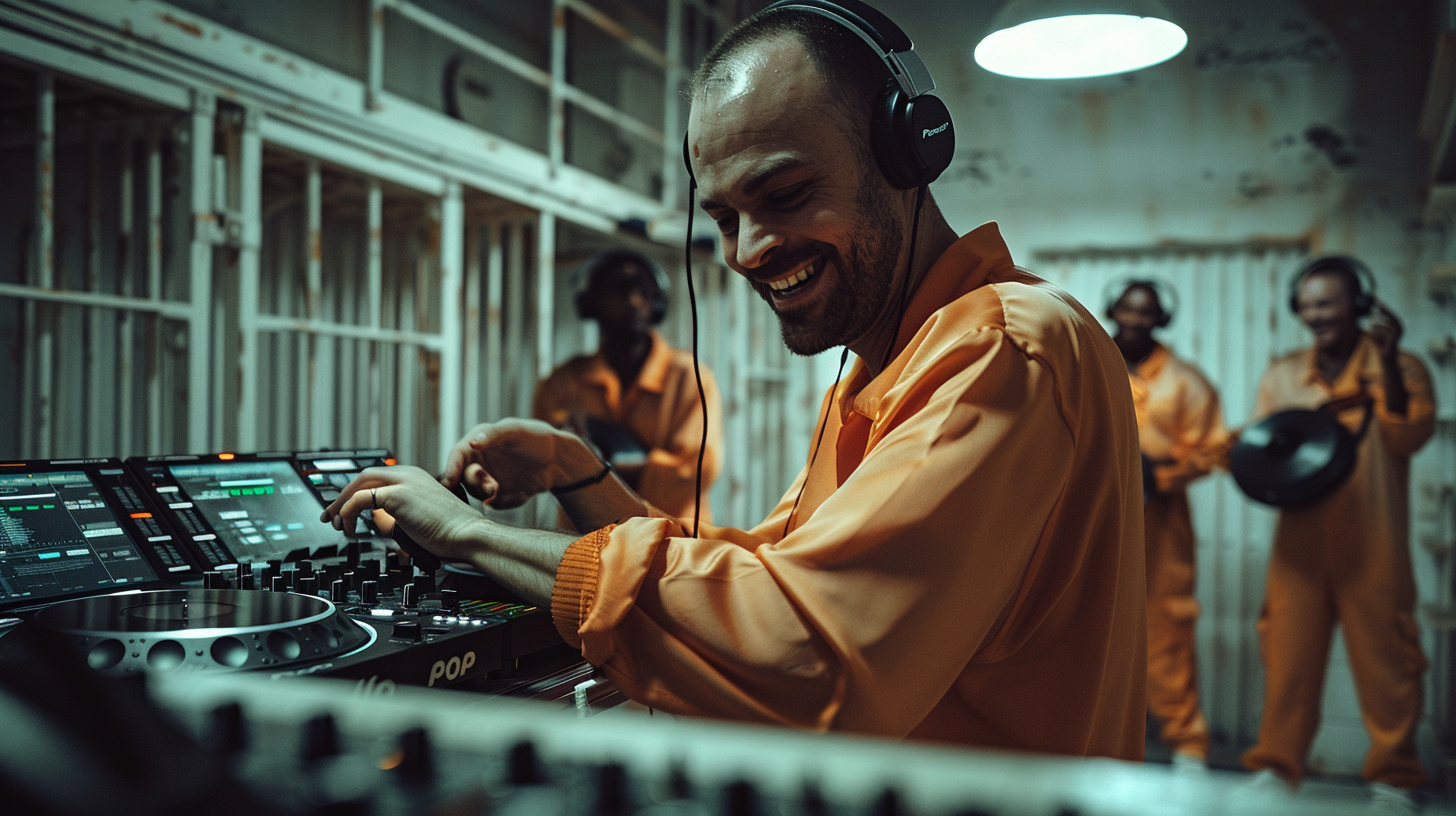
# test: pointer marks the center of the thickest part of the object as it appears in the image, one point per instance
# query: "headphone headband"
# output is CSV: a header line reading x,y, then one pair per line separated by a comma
x,y
597,264
1167,296
893,47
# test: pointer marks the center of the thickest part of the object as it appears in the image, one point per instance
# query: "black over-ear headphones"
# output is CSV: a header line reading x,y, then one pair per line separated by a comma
x,y
1362,298
910,133
1167,298
609,259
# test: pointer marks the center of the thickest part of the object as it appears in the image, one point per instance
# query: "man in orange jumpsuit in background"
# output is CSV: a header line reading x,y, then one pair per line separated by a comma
x,y
960,561
637,398
1346,558
1180,430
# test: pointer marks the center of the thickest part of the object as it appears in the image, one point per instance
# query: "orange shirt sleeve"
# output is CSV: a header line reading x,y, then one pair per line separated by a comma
x,y
863,617
1199,437
670,475
1406,434
552,400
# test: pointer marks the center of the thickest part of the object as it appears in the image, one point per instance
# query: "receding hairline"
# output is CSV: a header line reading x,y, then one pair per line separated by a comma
x,y
717,71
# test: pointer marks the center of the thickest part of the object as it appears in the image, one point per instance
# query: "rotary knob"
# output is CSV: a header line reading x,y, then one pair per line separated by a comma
x,y
369,593
449,599
408,630
417,759
229,729
320,739
411,596
523,765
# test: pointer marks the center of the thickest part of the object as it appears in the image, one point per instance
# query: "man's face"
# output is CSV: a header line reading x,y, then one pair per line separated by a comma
x,y
1136,314
816,232
622,302
1323,303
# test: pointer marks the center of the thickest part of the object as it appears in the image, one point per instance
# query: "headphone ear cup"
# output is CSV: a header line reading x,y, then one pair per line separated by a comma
x,y
912,139
1164,318
584,309
1364,304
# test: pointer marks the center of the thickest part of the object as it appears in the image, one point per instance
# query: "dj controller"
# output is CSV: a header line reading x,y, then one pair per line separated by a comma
x,y
215,563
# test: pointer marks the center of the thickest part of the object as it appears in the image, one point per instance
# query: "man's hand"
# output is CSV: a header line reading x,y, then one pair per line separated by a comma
x,y
431,515
505,463
1386,330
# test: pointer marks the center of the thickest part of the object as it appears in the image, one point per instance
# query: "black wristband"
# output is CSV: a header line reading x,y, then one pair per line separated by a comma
x,y
587,482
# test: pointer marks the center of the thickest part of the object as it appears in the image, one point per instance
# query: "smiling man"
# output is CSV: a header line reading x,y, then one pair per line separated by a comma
x,y
1346,558
1180,430
961,560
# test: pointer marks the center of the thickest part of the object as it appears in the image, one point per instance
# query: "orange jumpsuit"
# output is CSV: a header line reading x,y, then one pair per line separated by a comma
x,y
661,407
965,566
1181,429
1346,559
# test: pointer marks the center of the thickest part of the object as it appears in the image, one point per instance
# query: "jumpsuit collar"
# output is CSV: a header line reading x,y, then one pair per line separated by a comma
x,y
1153,364
964,266
1354,377
652,378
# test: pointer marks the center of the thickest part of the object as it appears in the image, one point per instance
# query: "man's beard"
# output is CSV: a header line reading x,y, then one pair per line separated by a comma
x,y
862,289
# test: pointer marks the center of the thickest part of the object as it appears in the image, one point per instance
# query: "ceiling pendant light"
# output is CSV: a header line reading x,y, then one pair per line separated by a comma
x,y
1067,39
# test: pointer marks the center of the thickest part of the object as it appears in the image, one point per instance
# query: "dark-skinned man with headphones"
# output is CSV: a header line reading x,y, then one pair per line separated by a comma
x,y
961,560
636,399
1181,432
1346,558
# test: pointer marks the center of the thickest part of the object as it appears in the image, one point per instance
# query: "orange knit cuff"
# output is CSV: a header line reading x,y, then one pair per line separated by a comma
x,y
576,583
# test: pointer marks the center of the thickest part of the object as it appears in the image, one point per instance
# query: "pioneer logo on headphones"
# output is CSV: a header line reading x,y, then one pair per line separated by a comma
x,y
928,132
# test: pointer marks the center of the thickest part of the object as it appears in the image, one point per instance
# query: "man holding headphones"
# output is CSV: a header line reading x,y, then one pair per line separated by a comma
x,y
1180,431
961,560
1346,558
636,399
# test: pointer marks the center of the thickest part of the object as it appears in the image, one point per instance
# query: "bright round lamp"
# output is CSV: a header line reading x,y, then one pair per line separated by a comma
x,y
1058,39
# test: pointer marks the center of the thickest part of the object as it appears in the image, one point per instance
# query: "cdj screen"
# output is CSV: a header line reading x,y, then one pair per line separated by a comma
x,y
260,509
58,536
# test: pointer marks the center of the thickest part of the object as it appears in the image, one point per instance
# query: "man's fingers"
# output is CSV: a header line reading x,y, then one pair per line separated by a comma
x,y
478,483
348,512
454,463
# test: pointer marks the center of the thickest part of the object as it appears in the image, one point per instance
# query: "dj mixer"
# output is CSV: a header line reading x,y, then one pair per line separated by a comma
x,y
218,562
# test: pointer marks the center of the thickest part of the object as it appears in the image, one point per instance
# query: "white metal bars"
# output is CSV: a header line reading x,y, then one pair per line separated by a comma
x,y
101,349
359,327
711,19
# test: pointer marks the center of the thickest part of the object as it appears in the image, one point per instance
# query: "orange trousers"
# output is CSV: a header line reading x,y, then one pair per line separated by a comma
x,y
1172,611
1309,590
